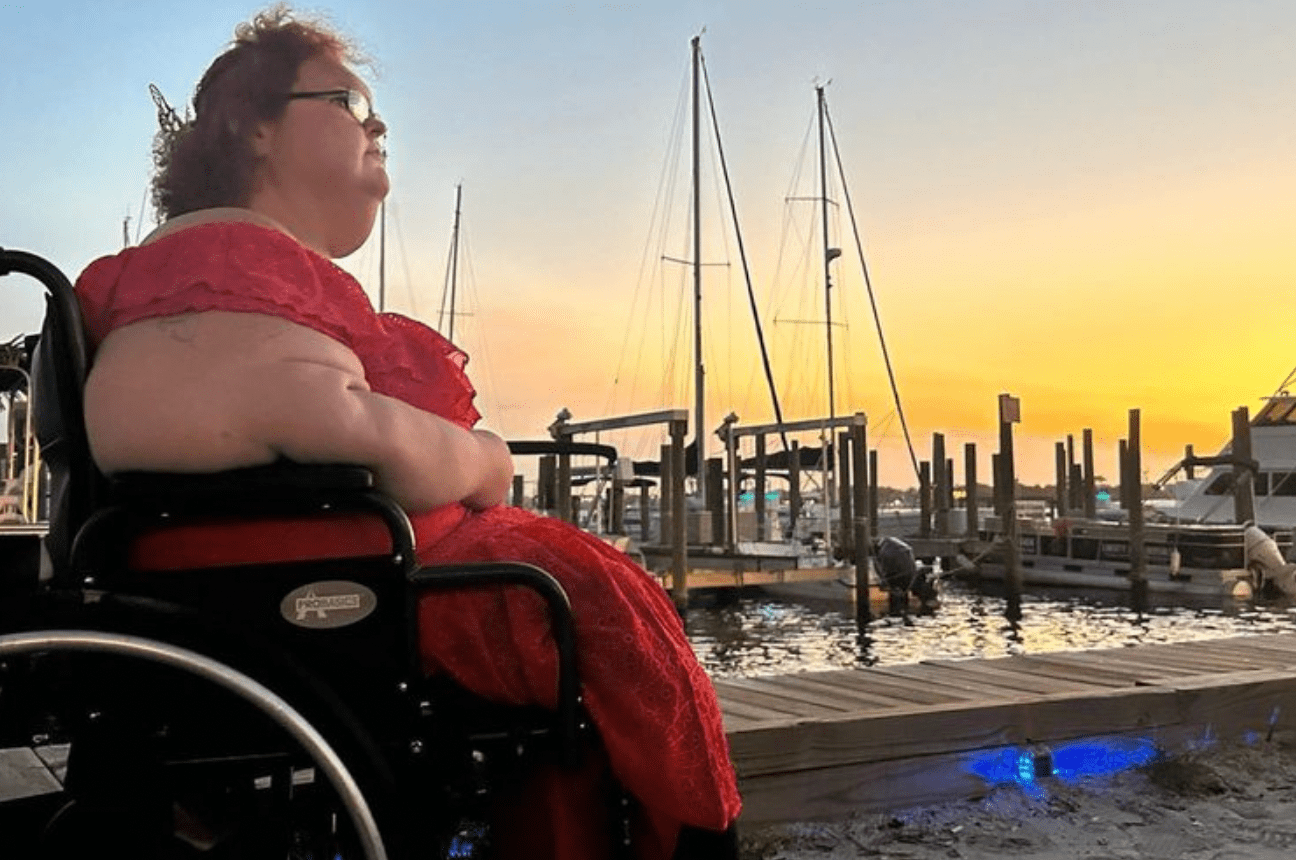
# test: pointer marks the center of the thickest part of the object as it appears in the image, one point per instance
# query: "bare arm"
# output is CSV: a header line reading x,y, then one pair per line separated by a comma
x,y
217,390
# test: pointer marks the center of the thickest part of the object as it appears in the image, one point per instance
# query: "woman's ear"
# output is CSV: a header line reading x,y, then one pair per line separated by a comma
x,y
262,139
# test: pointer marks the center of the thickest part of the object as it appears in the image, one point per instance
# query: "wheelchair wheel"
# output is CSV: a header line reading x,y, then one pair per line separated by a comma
x,y
156,751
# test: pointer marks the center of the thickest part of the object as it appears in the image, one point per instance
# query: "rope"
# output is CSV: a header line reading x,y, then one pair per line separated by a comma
x,y
877,318
742,254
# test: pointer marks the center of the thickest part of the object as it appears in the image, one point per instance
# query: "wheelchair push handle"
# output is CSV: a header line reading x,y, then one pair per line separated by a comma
x,y
56,285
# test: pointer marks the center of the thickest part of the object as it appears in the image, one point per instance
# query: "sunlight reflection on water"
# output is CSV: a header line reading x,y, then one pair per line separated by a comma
x,y
760,635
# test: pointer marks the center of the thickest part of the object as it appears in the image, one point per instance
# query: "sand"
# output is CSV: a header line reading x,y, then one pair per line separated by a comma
x,y
1223,803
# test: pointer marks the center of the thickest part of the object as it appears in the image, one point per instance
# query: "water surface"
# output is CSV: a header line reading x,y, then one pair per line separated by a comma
x,y
756,634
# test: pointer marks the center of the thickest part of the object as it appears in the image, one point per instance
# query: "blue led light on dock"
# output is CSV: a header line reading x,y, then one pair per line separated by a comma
x,y
1024,767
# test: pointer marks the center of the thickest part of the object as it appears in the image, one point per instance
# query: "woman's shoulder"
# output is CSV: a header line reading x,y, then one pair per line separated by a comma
x,y
220,259
242,220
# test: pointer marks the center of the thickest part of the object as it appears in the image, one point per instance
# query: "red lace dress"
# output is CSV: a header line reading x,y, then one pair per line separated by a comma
x,y
652,702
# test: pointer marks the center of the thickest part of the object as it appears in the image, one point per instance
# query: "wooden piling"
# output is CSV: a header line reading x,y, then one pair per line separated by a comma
x,y
1072,498
1243,479
1009,414
645,514
970,488
996,487
715,499
794,486
666,510
924,499
1090,490
862,538
941,513
616,500
873,492
1061,498
547,492
1122,454
1190,472
1137,548
564,487
844,494
679,533
758,493
733,477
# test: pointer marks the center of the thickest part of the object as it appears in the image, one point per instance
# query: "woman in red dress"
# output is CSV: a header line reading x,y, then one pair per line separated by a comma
x,y
228,338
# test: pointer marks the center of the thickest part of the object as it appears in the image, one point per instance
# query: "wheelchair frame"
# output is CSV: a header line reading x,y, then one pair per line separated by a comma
x,y
92,518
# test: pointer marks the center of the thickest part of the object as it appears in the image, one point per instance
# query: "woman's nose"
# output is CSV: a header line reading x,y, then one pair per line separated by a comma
x,y
375,126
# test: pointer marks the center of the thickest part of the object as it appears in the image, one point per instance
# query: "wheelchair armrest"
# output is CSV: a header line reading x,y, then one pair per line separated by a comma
x,y
485,574
282,481
280,489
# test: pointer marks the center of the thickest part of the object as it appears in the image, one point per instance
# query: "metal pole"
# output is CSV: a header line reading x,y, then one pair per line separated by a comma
x,y
699,372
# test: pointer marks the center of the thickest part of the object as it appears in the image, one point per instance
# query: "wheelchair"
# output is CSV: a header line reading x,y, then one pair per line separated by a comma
x,y
268,710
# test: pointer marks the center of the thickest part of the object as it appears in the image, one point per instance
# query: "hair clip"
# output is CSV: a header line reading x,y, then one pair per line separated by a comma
x,y
169,122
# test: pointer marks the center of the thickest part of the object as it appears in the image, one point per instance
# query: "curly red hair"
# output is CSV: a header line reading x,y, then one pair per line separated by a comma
x,y
206,159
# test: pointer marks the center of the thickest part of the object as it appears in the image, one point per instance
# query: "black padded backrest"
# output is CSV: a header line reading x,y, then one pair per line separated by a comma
x,y
59,368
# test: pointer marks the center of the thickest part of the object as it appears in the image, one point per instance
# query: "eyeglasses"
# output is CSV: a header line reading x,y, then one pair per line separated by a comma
x,y
356,102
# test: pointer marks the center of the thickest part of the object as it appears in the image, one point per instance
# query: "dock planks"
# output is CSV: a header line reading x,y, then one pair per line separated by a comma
x,y
821,744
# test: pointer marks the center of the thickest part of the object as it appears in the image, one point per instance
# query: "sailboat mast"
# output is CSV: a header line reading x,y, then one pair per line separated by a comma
x,y
828,255
828,463
454,260
699,433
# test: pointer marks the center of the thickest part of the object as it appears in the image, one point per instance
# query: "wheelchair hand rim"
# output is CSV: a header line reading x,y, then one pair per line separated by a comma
x,y
265,700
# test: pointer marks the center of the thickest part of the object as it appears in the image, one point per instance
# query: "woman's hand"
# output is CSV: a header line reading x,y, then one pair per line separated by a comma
x,y
497,472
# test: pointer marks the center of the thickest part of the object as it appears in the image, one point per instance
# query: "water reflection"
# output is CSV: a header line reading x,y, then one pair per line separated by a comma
x,y
752,634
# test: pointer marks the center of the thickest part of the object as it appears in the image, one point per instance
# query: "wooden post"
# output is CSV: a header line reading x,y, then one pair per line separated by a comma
x,y
947,561
1090,490
547,492
1060,496
996,487
844,498
616,497
645,514
1010,413
715,499
970,477
794,486
564,489
667,505
679,533
1190,471
759,492
733,486
1137,550
519,491
1074,503
1122,453
863,540
1243,479
924,499
873,492
939,484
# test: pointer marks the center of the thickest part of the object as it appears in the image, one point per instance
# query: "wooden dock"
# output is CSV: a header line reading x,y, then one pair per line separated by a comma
x,y
823,744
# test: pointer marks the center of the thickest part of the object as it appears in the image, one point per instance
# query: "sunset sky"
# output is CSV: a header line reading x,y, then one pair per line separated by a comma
x,y
1090,205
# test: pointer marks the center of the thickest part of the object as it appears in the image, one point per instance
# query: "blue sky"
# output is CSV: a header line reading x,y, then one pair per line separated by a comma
x,y
1061,199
